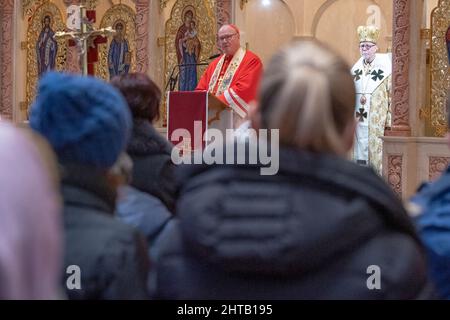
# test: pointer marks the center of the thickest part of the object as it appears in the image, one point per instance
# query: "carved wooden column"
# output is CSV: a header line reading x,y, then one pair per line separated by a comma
x,y
400,71
394,173
223,12
142,11
6,47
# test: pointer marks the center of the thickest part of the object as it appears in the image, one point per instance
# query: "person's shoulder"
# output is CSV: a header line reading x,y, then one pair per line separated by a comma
x,y
384,59
113,229
357,64
253,60
215,62
436,191
384,55
252,55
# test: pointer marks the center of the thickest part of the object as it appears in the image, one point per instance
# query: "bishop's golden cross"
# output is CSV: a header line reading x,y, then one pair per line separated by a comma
x,y
82,36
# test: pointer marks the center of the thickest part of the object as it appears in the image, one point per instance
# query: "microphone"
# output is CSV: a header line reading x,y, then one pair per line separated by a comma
x,y
214,56
173,79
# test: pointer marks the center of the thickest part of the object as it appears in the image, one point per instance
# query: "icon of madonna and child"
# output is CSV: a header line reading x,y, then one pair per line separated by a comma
x,y
188,49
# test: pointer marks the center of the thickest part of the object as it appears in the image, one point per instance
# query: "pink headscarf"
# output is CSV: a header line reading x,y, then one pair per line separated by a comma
x,y
30,221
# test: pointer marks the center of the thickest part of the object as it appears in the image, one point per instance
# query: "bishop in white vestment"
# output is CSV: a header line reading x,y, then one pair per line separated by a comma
x,y
372,76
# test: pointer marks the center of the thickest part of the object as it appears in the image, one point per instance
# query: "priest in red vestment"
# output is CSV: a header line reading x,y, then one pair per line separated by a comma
x,y
233,77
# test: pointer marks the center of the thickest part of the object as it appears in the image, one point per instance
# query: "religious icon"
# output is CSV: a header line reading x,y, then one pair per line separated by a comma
x,y
46,47
188,48
119,58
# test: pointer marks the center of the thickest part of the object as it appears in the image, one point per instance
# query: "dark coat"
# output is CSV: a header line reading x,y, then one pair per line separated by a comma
x,y
152,164
144,212
312,231
111,255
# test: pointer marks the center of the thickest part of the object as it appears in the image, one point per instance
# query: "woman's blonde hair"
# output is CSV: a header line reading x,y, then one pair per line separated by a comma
x,y
308,93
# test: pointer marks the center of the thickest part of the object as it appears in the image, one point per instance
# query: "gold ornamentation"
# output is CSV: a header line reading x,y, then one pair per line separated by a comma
x,y
440,69
424,113
23,106
379,119
441,131
368,33
34,29
127,16
162,4
425,34
161,41
242,4
206,27
29,6
89,4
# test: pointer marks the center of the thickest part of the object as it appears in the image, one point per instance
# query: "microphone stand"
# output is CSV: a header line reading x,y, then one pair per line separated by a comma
x,y
173,80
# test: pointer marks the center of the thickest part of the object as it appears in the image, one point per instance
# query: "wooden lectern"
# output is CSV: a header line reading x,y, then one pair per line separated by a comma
x,y
187,110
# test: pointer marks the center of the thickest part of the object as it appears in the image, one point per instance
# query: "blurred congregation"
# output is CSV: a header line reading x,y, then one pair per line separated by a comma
x,y
93,205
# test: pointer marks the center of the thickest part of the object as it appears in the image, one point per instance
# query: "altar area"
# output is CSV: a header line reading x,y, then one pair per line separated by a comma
x,y
146,39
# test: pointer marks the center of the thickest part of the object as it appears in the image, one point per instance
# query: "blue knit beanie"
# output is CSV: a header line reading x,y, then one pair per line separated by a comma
x,y
86,120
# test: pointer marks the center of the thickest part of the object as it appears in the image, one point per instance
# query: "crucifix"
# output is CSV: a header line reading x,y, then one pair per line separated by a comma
x,y
84,32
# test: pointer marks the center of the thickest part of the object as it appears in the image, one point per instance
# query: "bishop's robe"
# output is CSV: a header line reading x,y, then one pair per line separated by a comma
x,y
372,109
234,80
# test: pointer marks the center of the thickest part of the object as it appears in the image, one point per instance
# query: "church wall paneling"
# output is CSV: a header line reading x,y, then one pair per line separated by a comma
x,y
423,158
142,35
336,21
158,16
266,27
224,13
331,21
6,62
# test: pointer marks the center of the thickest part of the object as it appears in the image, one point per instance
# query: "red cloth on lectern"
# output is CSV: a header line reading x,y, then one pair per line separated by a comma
x,y
245,81
186,107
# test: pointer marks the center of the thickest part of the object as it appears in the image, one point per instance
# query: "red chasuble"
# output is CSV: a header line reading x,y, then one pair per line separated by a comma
x,y
234,80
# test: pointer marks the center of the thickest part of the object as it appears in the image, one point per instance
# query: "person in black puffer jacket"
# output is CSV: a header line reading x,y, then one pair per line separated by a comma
x,y
320,228
87,122
151,153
